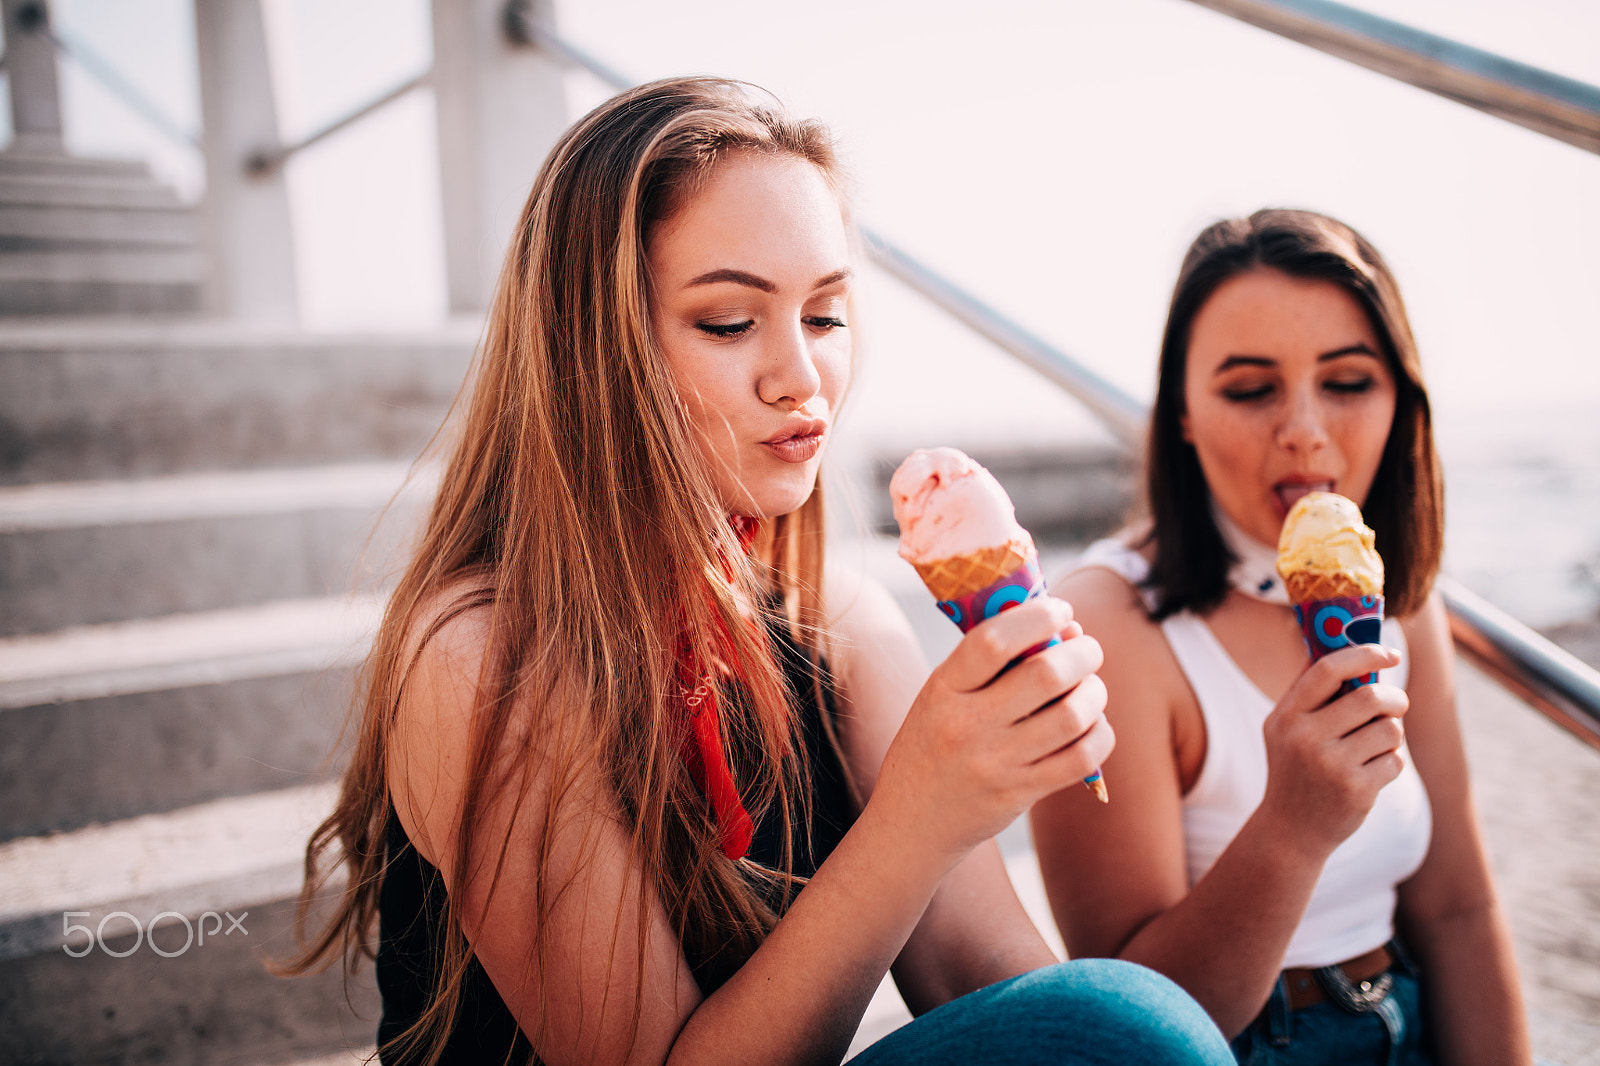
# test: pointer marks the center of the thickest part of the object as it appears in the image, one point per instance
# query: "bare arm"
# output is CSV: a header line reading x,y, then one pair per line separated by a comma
x,y
1116,874
975,931
964,764
1449,913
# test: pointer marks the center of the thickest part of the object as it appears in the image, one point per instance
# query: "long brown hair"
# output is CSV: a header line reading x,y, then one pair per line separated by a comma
x,y
575,512
1404,507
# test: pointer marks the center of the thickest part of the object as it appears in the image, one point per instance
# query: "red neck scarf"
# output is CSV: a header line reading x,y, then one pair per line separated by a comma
x,y
702,747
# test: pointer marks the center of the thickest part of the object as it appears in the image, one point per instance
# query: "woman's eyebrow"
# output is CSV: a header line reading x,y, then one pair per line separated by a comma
x,y
755,281
1244,360
1350,349
1233,361
738,277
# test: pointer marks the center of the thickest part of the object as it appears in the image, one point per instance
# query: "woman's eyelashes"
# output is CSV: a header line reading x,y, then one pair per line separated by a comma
x,y
1351,386
1257,392
819,323
726,329
1251,393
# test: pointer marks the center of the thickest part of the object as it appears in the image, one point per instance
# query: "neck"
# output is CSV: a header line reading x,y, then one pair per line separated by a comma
x,y
1254,571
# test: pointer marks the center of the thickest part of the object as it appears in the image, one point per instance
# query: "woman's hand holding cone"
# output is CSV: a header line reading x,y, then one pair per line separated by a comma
x,y
966,762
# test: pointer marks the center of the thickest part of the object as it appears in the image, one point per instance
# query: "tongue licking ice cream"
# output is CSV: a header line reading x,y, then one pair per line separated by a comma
x,y
1328,562
960,531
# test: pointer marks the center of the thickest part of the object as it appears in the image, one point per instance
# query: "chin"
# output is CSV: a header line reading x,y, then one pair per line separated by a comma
x,y
776,500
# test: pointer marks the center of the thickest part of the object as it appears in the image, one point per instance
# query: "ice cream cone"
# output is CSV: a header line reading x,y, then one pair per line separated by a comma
x,y
962,575
1304,587
1334,576
959,530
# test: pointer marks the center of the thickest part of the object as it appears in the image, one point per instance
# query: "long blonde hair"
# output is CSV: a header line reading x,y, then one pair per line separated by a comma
x,y
575,512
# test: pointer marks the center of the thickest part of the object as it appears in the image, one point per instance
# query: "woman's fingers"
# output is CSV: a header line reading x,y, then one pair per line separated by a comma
x,y
1045,676
984,652
1321,681
1064,723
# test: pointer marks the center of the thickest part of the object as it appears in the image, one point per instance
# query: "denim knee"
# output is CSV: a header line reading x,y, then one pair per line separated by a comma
x,y
1087,1013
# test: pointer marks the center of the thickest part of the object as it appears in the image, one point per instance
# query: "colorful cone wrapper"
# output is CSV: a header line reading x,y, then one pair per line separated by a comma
x,y
1339,622
1018,587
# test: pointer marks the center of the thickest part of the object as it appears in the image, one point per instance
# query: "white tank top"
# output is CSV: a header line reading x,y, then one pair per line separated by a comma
x,y
1352,907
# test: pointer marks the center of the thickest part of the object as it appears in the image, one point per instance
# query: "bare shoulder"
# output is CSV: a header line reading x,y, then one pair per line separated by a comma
x,y
429,742
878,668
865,624
1108,607
1428,631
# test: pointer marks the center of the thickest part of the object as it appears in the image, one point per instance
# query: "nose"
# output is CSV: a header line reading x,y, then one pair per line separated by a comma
x,y
1304,428
789,375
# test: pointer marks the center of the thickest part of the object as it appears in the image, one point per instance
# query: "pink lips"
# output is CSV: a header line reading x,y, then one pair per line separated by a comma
x,y
1291,489
799,441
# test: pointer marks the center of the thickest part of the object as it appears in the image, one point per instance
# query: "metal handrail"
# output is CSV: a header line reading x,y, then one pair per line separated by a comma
x,y
266,160
1528,665
1551,104
33,18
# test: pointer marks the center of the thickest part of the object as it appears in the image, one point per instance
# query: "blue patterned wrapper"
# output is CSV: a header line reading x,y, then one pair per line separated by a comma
x,y
1331,624
1018,587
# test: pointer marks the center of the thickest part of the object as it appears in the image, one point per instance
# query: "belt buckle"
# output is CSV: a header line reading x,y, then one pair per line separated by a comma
x,y
1362,998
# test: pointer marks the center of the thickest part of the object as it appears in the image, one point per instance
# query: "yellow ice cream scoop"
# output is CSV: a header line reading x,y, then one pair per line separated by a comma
x,y
1326,550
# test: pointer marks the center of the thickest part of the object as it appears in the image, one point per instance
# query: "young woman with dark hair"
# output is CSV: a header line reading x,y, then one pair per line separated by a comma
x,y
635,782
1281,851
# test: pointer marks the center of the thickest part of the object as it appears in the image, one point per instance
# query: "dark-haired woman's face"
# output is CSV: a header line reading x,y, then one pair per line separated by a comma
x,y
750,283
1287,392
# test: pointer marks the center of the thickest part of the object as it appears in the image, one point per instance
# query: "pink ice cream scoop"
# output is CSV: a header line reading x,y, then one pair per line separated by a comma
x,y
947,506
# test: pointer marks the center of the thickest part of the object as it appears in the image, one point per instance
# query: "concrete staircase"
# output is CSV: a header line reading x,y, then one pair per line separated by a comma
x,y
187,577
94,236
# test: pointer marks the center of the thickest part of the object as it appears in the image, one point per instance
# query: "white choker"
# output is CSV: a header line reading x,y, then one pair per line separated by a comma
x,y
1255,568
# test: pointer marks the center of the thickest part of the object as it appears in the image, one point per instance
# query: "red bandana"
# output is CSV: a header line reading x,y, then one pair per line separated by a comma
x,y
702,745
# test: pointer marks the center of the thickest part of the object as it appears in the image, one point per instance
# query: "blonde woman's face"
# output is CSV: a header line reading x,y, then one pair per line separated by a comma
x,y
749,284
1287,392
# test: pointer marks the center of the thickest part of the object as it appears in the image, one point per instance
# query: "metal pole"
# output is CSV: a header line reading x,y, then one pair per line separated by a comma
x,y
500,105
249,238
35,87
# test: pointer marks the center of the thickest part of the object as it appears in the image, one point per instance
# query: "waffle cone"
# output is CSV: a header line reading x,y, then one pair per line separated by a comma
x,y
1306,586
961,575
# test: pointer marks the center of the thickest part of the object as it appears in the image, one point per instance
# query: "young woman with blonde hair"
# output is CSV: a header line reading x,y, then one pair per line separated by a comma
x,y
634,782
1305,862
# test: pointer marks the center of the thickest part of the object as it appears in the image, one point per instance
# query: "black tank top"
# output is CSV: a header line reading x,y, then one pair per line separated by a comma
x,y
411,901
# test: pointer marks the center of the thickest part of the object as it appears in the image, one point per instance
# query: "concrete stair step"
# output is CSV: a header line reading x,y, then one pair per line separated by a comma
x,y
31,296
106,266
106,993
113,721
85,191
87,400
79,553
15,164
50,226
229,854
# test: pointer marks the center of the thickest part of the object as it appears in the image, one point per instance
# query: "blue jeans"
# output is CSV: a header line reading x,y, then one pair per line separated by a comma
x,y
1324,1034
1089,1012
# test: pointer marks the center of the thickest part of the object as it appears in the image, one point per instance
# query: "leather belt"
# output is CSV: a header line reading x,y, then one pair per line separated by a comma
x,y
1305,990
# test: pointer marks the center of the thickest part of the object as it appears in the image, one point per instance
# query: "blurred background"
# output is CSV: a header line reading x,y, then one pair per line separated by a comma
x,y
214,375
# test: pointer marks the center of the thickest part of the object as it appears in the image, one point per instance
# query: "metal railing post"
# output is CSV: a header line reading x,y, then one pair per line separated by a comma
x,y
249,242
35,87
501,105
